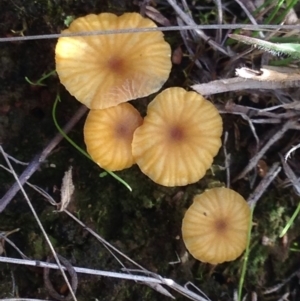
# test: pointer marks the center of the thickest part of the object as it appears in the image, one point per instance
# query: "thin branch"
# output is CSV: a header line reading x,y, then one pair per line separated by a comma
x,y
280,285
249,15
22,299
290,124
156,286
39,223
150,29
288,154
291,175
264,184
155,279
106,244
219,20
232,108
244,116
40,158
239,83
13,245
227,160
189,21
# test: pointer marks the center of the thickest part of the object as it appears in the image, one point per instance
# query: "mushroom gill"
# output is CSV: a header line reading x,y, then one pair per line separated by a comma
x,y
215,226
180,135
105,70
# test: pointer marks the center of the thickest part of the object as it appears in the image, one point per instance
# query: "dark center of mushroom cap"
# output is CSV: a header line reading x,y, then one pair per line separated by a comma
x,y
116,64
220,225
176,133
122,131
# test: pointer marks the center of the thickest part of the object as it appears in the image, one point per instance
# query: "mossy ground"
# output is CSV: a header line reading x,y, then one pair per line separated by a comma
x,y
145,223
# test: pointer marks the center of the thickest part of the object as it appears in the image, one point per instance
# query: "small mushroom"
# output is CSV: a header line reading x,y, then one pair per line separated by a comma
x,y
178,139
215,227
108,135
105,70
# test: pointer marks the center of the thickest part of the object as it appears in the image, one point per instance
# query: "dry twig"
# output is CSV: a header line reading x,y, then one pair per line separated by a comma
x,y
189,21
278,81
264,184
39,223
155,282
290,124
40,158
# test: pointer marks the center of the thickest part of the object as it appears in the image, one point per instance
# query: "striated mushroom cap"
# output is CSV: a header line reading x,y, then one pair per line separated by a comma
x,y
215,227
105,70
108,135
178,139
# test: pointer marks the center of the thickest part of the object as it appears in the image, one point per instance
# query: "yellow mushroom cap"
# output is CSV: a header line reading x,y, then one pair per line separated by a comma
x,y
108,135
103,71
215,227
178,139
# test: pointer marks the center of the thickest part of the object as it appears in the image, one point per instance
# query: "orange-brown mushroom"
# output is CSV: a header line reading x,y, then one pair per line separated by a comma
x,y
215,227
108,135
178,139
103,71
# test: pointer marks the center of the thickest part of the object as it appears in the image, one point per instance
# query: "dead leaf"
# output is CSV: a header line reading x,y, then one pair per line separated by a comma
x,y
67,189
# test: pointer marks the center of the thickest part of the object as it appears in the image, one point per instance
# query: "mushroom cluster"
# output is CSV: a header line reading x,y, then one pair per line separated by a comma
x,y
173,145
103,72
176,142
